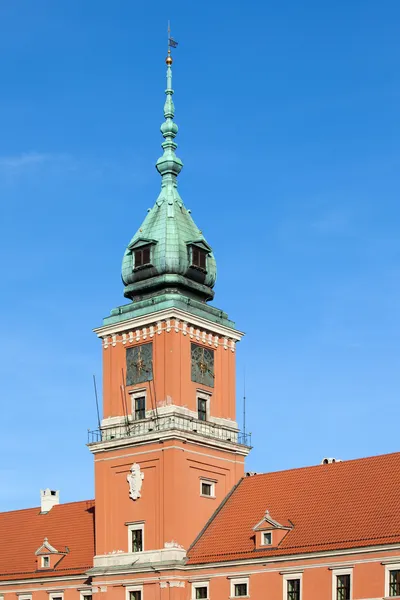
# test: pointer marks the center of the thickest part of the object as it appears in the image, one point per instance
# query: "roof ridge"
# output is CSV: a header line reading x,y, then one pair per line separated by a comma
x,y
333,465
38,508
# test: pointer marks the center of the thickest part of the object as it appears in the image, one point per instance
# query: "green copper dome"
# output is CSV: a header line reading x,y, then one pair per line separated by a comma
x,y
169,253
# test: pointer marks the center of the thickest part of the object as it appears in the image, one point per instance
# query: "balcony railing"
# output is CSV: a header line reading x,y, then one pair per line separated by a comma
x,y
169,422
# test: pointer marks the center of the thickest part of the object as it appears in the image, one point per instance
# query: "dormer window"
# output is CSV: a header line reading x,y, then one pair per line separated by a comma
x,y
266,538
45,562
199,258
142,257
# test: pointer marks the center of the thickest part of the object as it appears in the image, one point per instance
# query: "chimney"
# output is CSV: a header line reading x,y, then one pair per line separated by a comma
x,y
48,499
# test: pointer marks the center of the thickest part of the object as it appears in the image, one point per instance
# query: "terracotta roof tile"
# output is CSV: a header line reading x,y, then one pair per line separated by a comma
x,y
342,505
65,525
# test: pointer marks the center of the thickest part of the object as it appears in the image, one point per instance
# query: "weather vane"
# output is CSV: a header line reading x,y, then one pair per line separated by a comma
x,y
171,44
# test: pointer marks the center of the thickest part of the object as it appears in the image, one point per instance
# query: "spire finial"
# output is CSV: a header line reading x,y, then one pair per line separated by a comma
x,y
169,60
169,165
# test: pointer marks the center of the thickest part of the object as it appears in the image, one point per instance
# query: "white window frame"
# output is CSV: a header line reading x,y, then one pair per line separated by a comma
x,y
24,596
335,574
135,527
237,582
262,538
200,584
388,568
55,595
203,395
42,559
210,482
84,593
138,394
133,588
288,577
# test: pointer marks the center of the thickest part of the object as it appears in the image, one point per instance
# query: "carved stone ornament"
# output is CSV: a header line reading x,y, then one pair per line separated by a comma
x,y
135,478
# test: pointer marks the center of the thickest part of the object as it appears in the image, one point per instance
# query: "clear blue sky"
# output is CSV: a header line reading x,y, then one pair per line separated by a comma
x,y
289,132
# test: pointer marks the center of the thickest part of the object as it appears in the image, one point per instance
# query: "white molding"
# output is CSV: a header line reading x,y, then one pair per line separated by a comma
x,y
83,593
40,581
43,566
390,567
336,572
135,527
200,584
56,595
239,581
167,320
288,577
118,558
133,588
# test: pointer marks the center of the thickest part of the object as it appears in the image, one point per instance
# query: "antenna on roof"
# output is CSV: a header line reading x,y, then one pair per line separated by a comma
x,y
244,402
97,400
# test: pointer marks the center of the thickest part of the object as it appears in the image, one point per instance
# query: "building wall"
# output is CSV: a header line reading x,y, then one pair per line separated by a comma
x,y
171,382
170,506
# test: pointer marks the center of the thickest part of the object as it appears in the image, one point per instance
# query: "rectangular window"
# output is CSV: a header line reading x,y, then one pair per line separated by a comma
x,y
200,590
267,538
207,488
202,409
293,589
394,582
45,562
343,587
240,589
136,595
137,540
142,257
199,258
140,407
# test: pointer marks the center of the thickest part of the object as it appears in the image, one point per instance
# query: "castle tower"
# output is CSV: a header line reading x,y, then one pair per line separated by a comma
x,y
168,449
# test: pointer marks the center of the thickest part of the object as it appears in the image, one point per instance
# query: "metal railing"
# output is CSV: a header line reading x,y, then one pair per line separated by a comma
x,y
169,422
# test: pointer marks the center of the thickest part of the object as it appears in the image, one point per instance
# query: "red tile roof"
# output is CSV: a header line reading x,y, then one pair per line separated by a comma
x,y
336,506
66,525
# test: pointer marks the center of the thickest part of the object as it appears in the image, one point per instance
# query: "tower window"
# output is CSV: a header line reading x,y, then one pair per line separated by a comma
x,y
202,409
199,258
140,407
207,488
142,257
136,538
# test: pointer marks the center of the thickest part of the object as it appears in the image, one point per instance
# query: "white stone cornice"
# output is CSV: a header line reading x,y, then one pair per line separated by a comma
x,y
176,319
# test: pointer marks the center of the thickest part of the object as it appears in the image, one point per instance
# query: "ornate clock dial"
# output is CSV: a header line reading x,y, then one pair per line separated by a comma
x,y
139,364
202,365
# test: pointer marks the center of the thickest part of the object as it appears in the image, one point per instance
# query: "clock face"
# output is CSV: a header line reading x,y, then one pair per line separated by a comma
x,y
202,365
139,364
